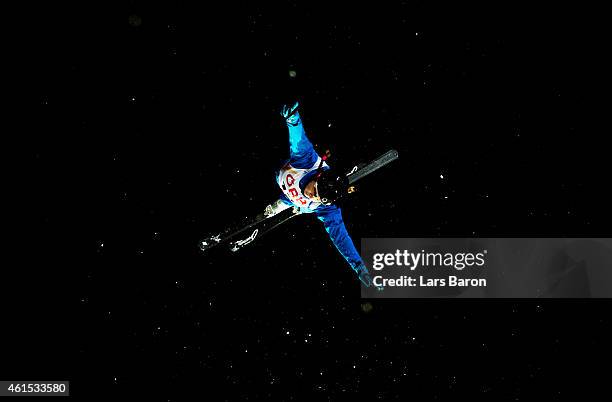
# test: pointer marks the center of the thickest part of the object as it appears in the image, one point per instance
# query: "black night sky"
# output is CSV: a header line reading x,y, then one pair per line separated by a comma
x,y
154,125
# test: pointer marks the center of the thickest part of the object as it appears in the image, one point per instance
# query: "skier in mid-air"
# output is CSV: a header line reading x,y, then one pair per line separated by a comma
x,y
311,186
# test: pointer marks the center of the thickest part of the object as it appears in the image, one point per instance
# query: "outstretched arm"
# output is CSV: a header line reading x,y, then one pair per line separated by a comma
x,y
334,225
301,151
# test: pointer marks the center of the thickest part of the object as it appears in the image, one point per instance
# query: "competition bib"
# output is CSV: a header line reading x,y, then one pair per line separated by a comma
x,y
289,181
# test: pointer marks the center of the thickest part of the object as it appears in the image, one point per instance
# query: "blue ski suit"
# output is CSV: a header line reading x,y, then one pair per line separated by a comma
x,y
303,157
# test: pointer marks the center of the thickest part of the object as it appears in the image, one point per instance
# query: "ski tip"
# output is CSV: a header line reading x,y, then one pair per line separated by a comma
x,y
393,153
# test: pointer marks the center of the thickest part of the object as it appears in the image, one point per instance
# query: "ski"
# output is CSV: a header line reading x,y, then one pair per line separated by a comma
x,y
281,218
258,226
252,229
222,237
360,173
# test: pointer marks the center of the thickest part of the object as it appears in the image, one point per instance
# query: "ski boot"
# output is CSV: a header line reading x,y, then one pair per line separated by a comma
x,y
275,208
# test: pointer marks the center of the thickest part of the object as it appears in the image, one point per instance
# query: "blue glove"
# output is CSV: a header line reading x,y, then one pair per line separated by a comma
x,y
365,277
290,114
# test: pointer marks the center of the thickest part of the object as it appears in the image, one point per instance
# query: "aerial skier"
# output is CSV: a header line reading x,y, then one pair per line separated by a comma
x,y
309,185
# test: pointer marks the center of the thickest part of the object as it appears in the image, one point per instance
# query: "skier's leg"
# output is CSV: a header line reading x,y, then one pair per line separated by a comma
x,y
300,147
